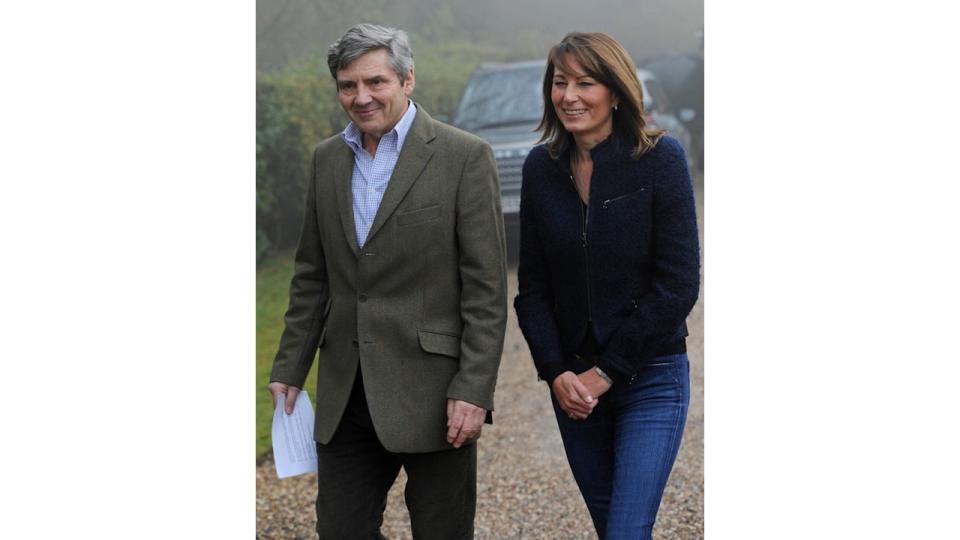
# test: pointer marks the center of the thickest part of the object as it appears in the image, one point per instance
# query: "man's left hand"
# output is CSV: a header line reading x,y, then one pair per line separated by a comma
x,y
464,421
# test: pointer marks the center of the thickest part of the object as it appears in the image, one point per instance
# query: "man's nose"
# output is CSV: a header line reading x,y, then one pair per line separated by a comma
x,y
363,95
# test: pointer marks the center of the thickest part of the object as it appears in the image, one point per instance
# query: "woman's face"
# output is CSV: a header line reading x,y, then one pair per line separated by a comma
x,y
584,105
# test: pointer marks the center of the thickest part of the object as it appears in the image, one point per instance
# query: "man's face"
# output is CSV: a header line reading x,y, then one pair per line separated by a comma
x,y
372,94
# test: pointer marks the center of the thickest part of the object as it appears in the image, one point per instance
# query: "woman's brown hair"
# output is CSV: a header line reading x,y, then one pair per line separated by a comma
x,y
605,60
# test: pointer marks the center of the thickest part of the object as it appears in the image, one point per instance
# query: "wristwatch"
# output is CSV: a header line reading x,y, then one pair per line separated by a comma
x,y
603,375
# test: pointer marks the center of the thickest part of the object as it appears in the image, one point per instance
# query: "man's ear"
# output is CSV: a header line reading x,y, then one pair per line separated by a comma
x,y
409,82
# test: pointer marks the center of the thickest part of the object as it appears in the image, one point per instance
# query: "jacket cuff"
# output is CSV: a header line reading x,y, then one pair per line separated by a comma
x,y
470,394
550,370
620,370
288,377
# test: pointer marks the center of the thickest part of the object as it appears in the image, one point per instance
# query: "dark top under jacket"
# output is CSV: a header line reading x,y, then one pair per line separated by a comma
x,y
629,269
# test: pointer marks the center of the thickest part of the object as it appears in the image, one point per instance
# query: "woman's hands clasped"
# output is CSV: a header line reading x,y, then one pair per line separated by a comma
x,y
577,394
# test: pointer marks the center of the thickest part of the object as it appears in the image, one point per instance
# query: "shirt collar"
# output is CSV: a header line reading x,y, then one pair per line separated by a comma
x,y
354,139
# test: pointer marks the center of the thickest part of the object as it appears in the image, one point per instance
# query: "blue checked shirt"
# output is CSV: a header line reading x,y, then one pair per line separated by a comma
x,y
371,174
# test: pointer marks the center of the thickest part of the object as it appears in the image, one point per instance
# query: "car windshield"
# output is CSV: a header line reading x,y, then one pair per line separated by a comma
x,y
502,98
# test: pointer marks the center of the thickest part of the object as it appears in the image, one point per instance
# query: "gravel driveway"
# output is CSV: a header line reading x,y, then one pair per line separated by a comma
x,y
525,488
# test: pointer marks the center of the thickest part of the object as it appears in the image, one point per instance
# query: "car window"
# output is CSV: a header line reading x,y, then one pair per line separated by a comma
x,y
501,97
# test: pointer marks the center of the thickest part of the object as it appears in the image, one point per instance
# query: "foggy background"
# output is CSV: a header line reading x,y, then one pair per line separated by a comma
x,y
288,30
296,98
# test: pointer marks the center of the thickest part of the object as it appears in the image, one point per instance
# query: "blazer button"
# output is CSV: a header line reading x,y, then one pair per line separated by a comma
x,y
362,298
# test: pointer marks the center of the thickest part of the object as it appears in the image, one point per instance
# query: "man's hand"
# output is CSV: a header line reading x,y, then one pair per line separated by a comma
x,y
596,385
574,397
464,421
278,388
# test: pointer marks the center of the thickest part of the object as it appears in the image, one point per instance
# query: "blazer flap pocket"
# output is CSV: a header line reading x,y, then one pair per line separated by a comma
x,y
419,216
444,344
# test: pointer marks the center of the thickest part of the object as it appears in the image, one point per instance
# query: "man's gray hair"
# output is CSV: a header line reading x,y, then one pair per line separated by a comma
x,y
364,38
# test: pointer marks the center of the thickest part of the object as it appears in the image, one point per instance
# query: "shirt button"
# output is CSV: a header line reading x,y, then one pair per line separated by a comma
x,y
363,298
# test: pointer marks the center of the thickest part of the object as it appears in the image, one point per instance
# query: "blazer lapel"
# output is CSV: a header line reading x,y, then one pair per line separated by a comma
x,y
413,158
343,184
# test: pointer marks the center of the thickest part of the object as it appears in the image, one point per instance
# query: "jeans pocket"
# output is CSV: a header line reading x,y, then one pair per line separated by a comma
x,y
673,364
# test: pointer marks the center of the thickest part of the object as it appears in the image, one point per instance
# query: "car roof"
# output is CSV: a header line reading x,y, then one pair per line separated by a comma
x,y
499,66
643,74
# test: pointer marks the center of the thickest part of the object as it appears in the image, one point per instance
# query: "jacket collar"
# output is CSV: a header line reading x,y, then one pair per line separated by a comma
x,y
609,149
414,155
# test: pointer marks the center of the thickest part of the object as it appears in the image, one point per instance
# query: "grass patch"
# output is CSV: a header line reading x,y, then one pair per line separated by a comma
x,y
273,289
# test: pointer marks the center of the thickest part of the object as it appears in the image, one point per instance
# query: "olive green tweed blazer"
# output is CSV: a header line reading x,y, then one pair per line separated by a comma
x,y
421,308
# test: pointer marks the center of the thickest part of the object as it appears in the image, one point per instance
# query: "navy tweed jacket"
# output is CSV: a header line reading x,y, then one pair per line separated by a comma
x,y
633,270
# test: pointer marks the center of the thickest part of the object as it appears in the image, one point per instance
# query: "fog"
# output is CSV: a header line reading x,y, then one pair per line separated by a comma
x,y
288,30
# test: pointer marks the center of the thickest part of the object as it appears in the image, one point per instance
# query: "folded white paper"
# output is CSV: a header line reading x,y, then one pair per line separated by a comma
x,y
294,450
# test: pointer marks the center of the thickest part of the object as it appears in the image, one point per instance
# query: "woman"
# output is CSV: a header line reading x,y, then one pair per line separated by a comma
x,y
609,270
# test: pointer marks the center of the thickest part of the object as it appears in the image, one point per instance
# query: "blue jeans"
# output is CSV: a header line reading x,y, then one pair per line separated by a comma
x,y
621,455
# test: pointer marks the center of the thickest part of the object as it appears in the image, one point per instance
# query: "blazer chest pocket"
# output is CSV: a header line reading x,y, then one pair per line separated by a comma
x,y
435,343
419,216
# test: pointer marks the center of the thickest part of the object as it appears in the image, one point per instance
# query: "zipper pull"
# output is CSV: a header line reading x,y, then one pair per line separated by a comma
x,y
583,238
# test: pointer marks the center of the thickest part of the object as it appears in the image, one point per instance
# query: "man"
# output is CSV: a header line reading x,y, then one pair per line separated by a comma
x,y
400,281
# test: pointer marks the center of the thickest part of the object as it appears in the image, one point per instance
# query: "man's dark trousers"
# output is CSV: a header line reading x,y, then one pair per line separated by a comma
x,y
355,473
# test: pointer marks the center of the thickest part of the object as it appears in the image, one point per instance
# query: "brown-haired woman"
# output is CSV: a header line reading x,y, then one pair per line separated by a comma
x,y
608,272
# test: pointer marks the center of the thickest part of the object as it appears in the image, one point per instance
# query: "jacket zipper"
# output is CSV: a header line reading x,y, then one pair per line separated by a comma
x,y
615,199
584,220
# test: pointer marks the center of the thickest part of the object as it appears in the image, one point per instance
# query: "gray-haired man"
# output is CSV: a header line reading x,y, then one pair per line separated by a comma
x,y
400,281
